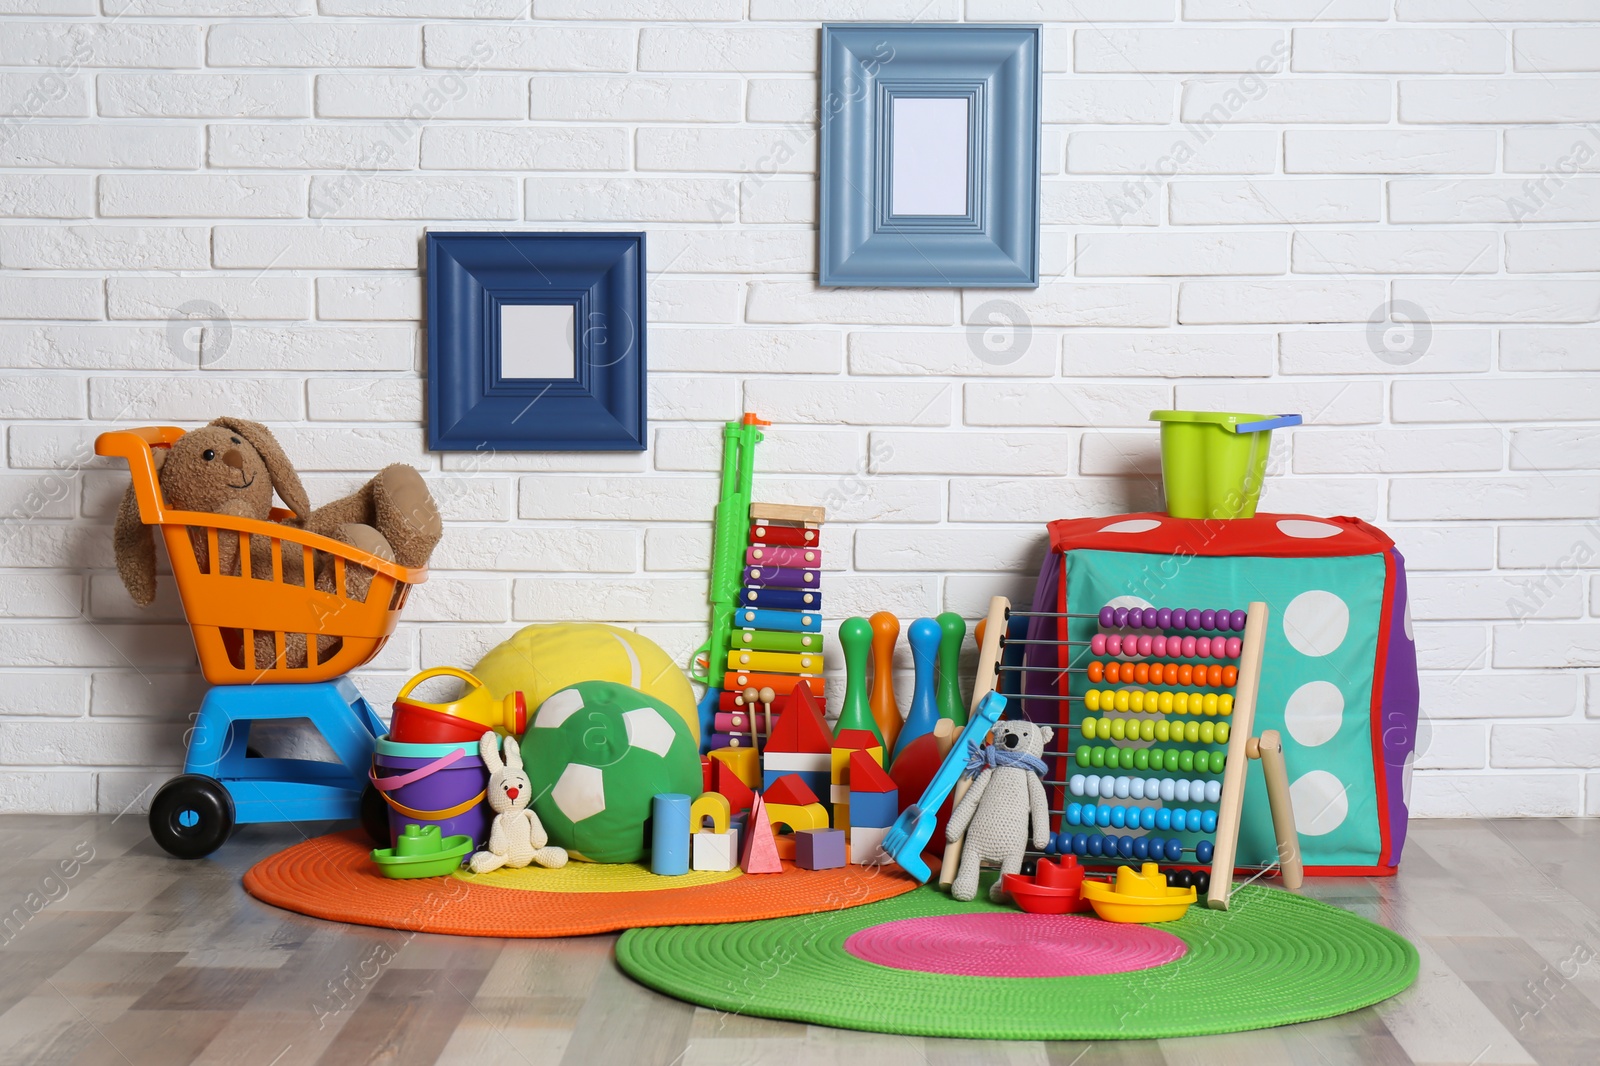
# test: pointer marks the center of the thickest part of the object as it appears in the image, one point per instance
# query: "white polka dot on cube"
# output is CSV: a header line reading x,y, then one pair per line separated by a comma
x,y
1313,713
1132,525
1316,622
1320,803
1307,530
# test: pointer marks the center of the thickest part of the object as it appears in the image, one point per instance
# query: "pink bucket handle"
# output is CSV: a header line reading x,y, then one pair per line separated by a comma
x,y
389,784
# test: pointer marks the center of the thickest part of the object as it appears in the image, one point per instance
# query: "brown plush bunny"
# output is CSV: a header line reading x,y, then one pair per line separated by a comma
x,y
232,467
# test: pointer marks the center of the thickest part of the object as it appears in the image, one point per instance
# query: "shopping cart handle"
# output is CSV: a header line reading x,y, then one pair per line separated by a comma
x,y
134,446
1269,423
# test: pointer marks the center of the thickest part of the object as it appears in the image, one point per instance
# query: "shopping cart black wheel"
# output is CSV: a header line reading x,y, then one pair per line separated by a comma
x,y
191,816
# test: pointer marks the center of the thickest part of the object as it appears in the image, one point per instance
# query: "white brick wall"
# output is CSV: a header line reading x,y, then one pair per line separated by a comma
x,y
1236,194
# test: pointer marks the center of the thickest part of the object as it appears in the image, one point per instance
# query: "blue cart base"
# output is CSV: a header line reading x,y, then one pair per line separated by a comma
x,y
221,786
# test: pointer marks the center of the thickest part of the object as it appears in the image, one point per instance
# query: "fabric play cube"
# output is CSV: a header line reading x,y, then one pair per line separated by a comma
x,y
1339,677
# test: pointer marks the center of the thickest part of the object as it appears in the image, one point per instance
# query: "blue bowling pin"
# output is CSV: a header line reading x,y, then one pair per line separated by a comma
x,y
924,637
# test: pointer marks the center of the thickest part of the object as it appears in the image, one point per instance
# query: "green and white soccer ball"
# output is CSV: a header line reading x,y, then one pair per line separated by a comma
x,y
596,753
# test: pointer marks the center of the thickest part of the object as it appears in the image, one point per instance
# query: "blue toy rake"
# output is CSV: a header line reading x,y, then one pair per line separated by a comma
x,y
914,828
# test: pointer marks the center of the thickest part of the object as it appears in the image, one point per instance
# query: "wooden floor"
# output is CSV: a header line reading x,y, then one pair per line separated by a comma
x,y
125,956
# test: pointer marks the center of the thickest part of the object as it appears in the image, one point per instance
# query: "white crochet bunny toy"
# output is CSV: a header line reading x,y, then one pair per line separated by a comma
x,y
517,837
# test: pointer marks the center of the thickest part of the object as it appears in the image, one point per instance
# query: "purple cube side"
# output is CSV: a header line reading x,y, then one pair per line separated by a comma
x,y
819,849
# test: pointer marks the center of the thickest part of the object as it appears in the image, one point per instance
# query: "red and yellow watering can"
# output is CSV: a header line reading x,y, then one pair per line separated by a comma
x,y
463,720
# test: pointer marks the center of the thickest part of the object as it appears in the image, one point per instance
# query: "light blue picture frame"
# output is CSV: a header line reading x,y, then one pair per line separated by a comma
x,y
866,67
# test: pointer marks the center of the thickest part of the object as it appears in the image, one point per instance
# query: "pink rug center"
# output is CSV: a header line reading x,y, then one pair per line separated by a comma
x,y
1015,945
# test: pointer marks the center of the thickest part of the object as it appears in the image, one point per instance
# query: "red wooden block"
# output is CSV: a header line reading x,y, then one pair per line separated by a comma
x,y
856,738
725,781
792,789
759,854
801,727
867,776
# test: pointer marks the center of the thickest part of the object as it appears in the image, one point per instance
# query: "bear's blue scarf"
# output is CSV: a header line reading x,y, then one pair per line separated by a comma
x,y
991,756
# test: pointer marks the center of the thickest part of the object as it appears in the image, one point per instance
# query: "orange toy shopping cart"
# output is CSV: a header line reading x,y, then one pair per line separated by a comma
x,y
276,637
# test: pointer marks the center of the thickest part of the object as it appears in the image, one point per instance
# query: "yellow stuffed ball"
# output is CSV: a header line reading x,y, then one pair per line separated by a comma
x,y
539,660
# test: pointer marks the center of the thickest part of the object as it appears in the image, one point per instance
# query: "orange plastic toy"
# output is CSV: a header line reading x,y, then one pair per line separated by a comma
x,y
225,611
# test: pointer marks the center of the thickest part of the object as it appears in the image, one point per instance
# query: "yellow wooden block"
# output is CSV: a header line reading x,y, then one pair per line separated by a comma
x,y
811,816
839,766
744,762
795,818
713,805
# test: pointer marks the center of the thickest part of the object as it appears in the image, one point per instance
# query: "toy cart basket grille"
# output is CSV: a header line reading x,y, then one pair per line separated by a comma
x,y
252,623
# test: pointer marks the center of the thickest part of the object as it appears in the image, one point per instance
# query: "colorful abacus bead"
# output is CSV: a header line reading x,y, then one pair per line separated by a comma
x,y
1203,619
1214,676
1205,762
1179,819
1163,788
1113,845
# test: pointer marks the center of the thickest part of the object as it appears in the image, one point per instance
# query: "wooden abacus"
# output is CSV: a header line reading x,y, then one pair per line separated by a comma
x,y
1186,743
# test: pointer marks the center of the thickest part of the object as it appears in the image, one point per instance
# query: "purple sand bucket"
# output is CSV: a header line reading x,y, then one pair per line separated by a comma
x,y
434,784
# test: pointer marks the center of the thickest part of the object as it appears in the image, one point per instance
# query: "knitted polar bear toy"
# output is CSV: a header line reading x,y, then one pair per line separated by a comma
x,y
1006,791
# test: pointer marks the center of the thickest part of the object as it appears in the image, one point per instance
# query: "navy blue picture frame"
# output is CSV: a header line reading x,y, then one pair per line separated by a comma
x,y
865,66
602,407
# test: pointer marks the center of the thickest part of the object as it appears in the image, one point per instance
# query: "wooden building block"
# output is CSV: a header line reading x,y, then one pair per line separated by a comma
x,y
744,762
713,851
866,845
819,849
712,805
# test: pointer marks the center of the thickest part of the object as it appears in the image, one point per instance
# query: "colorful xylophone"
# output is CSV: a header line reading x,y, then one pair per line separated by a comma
x,y
776,637
1171,773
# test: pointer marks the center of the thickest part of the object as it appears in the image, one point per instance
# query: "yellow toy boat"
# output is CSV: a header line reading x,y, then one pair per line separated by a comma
x,y
1139,896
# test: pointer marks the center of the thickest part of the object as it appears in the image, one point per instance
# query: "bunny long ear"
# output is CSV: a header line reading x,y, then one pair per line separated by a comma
x,y
513,754
279,469
135,545
488,748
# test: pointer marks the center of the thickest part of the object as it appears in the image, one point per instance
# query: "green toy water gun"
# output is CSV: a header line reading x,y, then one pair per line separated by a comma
x,y
710,660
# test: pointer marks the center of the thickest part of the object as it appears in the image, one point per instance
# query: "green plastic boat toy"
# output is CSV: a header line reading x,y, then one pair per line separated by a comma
x,y
420,851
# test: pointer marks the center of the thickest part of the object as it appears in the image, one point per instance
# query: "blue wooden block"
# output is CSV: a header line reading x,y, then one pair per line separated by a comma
x,y
669,836
874,809
819,849
816,780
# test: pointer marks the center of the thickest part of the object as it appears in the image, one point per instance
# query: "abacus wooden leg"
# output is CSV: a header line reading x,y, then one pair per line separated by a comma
x,y
1231,802
1270,748
991,633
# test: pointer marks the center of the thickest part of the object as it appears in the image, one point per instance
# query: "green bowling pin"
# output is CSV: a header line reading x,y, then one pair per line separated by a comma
x,y
855,637
954,629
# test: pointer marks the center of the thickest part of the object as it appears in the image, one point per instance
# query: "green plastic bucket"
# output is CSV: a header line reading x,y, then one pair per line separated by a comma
x,y
1213,462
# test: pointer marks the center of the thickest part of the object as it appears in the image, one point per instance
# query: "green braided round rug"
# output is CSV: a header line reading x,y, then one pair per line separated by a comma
x,y
1273,959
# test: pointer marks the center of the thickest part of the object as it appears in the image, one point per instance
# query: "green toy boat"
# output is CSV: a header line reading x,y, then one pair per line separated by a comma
x,y
420,851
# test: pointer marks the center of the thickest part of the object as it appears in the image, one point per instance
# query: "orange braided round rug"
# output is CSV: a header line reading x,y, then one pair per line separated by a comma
x,y
332,877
